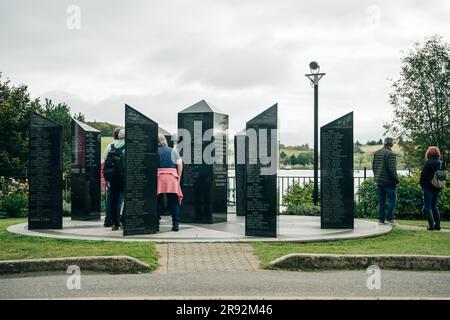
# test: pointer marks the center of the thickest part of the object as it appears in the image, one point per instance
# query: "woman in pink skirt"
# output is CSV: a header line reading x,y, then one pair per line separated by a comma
x,y
169,175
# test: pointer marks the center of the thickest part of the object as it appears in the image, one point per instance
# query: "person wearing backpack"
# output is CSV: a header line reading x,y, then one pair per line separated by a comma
x,y
432,181
113,172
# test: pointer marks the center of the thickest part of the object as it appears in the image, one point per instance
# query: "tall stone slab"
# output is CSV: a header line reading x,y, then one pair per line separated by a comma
x,y
261,183
141,168
239,168
85,172
45,173
204,182
336,174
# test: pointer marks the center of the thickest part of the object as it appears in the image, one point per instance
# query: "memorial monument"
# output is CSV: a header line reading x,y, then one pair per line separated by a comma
x,y
261,178
141,167
336,174
45,173
239,169
204,184
85,172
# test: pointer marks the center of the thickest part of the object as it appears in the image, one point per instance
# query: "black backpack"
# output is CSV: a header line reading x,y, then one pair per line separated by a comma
x,y
113,170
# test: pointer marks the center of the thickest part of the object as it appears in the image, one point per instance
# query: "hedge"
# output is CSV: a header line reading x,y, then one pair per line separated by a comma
x,y
299,200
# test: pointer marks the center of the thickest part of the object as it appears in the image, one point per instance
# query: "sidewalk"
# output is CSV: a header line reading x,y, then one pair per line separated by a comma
x,y
206,257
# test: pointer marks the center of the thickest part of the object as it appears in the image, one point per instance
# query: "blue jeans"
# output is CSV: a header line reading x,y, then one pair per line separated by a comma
x,y
173,205
388,192
108,212
430,201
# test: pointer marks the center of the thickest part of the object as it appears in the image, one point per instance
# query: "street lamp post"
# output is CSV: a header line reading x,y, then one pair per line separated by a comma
x,y
315,77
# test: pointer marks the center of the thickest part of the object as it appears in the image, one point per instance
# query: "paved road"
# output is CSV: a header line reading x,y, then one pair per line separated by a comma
x,y
244,284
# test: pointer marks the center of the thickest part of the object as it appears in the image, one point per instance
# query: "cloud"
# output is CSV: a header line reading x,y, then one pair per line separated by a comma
x,y
243,56
240,68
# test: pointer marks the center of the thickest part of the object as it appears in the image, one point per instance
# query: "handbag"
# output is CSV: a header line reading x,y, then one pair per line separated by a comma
x,y
439,178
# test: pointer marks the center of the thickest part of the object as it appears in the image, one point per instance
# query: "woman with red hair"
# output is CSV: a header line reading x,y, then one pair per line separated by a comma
x,y
430,192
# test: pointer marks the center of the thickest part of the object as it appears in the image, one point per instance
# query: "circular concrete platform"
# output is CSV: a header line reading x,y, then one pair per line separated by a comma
x,y
290,228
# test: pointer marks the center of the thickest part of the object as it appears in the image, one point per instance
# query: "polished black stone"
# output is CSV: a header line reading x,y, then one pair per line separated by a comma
x,y
45,173
141,167
239,168
204,185
85,172
261,189
336,174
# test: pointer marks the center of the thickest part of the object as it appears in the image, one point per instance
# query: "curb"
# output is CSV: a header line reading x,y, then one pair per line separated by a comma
x,y
108,264
298,262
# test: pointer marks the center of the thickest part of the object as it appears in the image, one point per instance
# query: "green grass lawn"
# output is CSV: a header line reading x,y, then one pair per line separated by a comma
x,y
418,223
423,223
13,246
396,242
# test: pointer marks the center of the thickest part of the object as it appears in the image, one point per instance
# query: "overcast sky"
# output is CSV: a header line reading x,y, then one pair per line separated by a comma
x,y
241,56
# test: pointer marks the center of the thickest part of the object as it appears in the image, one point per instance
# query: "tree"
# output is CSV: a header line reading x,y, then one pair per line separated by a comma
x,y
357,148
60,113
283,155
374,142
421,100
15,108
359,159
293,159
302,159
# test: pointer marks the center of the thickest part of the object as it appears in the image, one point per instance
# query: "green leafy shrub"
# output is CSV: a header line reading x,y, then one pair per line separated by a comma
x,y
305,209
299,200
368,199
409,199
67,208
13,197
444,201
299,194
14,205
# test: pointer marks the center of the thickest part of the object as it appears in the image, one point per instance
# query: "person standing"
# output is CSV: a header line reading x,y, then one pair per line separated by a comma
x,y
114,174
169,174
384,168
430,188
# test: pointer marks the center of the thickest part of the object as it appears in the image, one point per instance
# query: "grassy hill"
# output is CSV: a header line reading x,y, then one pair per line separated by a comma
x,y
107,129
361,159
105,142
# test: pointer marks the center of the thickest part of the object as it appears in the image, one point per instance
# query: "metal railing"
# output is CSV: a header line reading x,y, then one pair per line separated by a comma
x,y
284,185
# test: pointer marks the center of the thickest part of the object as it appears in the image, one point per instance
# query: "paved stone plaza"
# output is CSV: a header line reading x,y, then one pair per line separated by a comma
x,y
290,228
206,257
